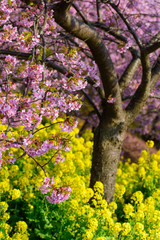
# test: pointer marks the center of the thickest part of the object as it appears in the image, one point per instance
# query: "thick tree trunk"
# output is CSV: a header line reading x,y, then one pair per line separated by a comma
x,y
108,140
110,134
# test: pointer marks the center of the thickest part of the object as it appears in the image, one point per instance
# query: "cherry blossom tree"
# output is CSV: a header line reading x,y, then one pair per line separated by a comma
x,y
55,53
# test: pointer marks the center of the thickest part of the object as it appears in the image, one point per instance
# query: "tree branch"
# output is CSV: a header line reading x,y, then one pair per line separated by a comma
x,y
26,56
125,20
98,10
150,96
129,71
155,72
20,55
139,98
92,103
153,44
101,55
76,44
80,13
38,164
110,31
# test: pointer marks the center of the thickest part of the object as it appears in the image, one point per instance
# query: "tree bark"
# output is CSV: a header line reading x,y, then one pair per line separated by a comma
x,y
108,140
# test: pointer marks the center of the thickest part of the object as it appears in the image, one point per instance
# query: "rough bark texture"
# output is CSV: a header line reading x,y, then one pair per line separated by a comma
x,y
108,140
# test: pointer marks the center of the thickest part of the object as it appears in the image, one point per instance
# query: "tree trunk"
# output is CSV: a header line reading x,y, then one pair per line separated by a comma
x,y
108,140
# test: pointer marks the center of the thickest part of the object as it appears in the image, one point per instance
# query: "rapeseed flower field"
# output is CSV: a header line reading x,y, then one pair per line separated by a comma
x,y
134,212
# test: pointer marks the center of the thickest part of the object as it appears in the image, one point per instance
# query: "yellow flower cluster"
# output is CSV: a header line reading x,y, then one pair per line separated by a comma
x,y
20,231
98,187
21,227
150,144
133,214
126,228
141,213
15,193
101,238
3,206
20,181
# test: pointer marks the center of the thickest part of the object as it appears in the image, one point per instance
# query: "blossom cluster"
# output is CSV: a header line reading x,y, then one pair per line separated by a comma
x,y
58,195
30,90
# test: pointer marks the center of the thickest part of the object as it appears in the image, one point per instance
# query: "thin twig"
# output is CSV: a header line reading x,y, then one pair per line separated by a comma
x,y
92,103
47,127
38,164
125,20
110,31
80,13
21,155
98,10
150,96
51,158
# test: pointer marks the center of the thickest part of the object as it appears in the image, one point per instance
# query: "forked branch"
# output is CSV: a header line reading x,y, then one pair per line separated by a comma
x,y
96,45
139,98
129,71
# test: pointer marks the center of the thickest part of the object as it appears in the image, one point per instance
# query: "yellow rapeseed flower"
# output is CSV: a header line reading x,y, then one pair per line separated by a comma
x,y
141,172
14,170
126,228
139,228
7,228
141,160
1,235
119,190
6,217
145,154
98,187
15,194
137,197
150,144
156,194
128,210
23,182
30,206
88,235
154,165
5,186
112,207
29,196
4,173
92,224
140,214
119,172
74,204
19,236
21,227
101,238
116,228
3,206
